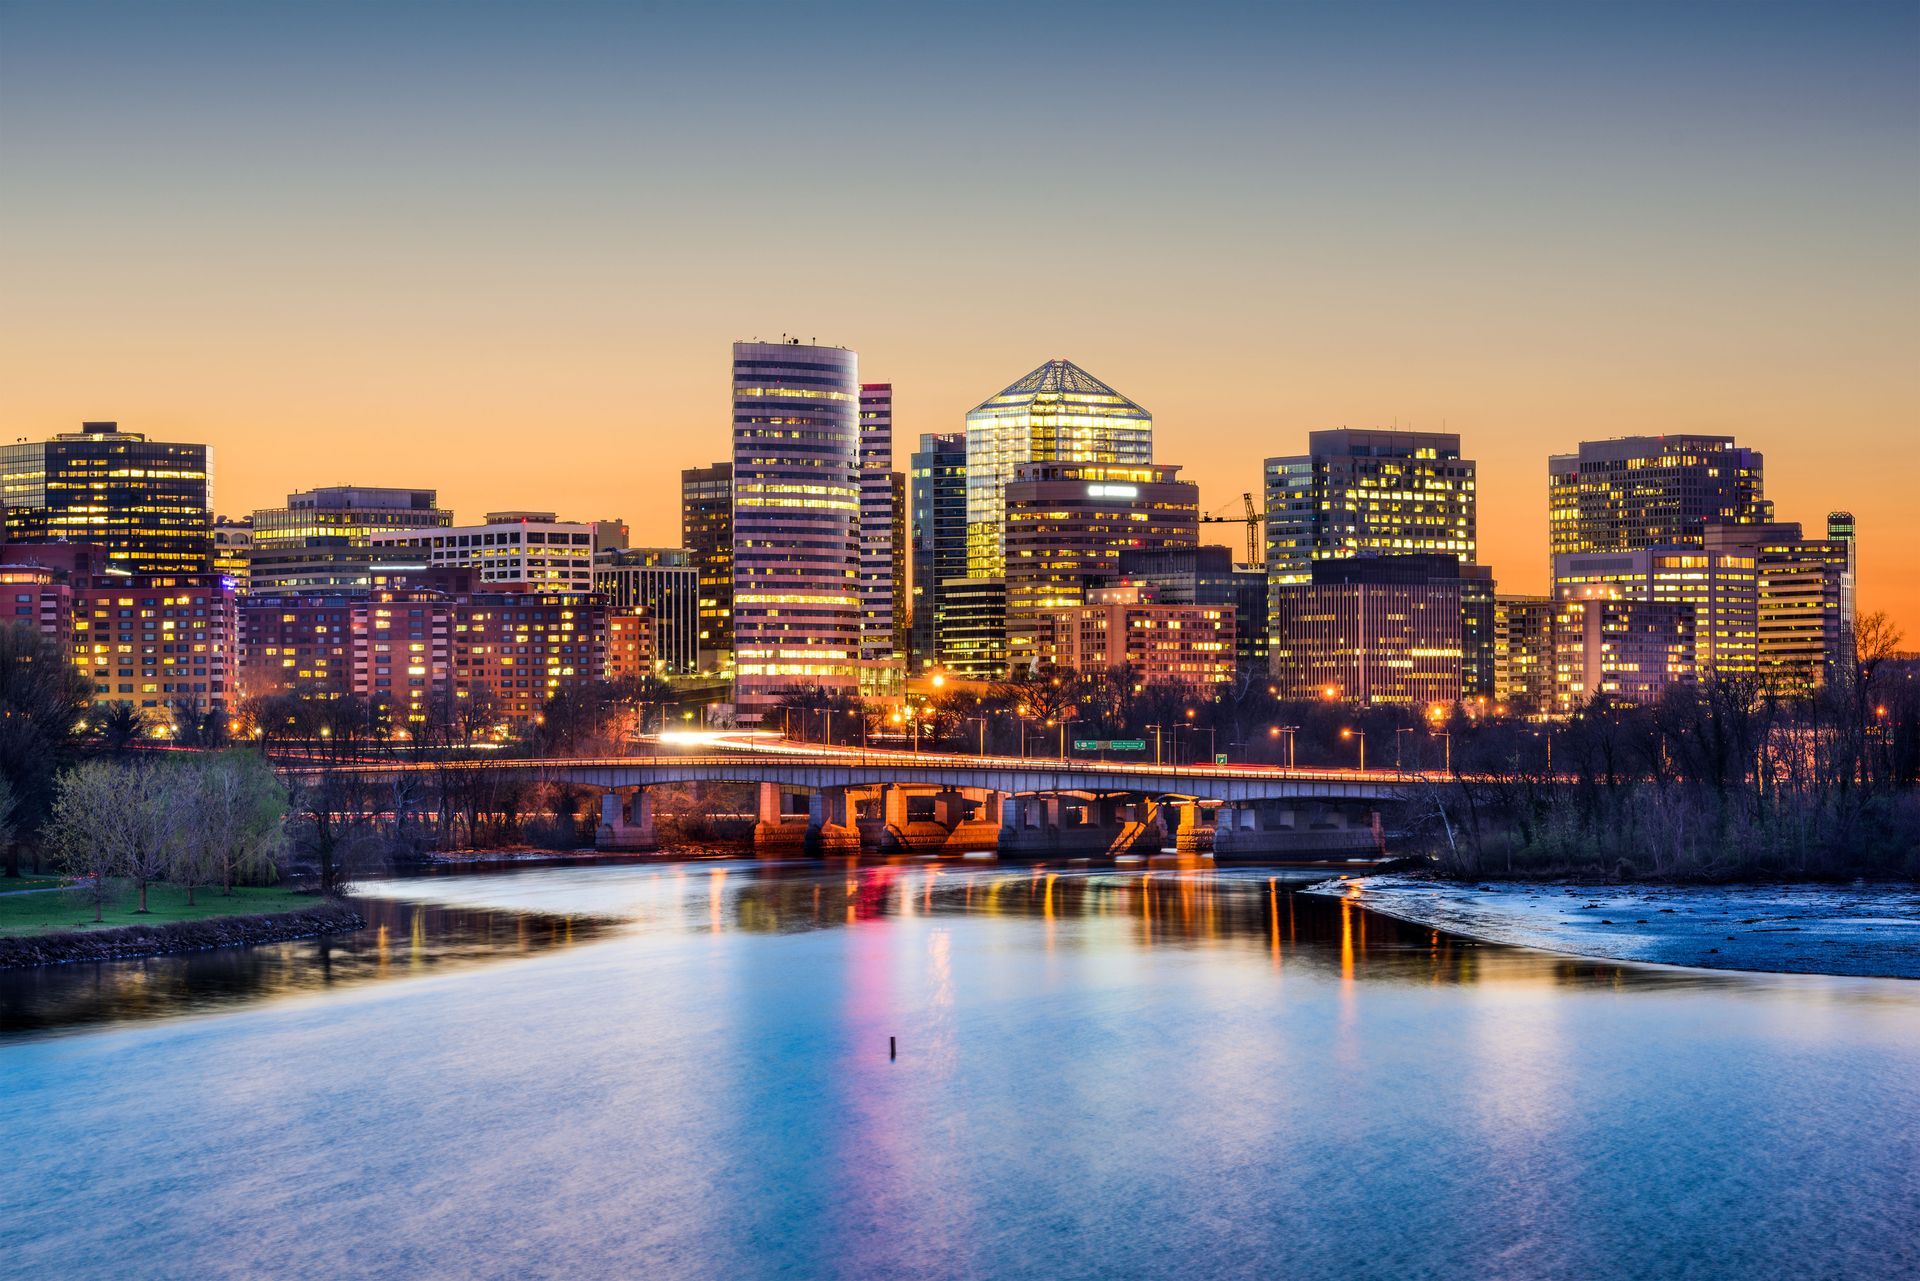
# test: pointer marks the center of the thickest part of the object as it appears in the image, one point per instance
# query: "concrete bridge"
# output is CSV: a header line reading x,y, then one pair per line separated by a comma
x,y
817,799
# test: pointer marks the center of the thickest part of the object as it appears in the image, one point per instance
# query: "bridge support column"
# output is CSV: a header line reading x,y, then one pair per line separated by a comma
x,y
1307,830
777,832
1193,835
626,821
830,828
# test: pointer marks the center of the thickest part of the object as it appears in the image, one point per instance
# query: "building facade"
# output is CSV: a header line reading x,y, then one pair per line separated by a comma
x,y
1523,655
1067,525
972,625
664,583
939,500
1126,628
796,522
1369,493
147,502
1803,589
1638,492
233,549
1206,576
1626,651
511,550
322,538
1720,587
1376,630
882,665
1058,413
706,531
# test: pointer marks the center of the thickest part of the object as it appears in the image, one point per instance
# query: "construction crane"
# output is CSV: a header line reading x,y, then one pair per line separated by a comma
x,y
1252,520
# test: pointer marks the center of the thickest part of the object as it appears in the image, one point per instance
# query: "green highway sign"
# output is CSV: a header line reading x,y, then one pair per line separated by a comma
x,y
1219,758
1109,744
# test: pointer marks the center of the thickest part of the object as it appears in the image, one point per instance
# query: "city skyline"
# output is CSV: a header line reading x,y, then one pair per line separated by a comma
x,y
1527,229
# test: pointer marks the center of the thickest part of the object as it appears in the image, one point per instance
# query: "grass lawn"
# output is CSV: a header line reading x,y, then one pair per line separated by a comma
x,y
53,911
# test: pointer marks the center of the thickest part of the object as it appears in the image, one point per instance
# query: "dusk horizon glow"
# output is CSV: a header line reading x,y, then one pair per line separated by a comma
x,y
505,258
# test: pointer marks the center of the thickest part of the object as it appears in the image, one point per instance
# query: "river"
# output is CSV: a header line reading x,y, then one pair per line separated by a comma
x,y
683,1070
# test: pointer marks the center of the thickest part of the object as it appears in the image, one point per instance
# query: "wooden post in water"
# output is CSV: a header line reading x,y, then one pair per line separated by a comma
x,y
893,1049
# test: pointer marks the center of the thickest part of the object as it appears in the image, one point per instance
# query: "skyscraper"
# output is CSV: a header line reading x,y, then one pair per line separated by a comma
x,y
1637,492
1057,413
323,538
1380,493
879,671
1066,527
706,531
1803,613
147,502
1369,493
664,582
939,498
796,521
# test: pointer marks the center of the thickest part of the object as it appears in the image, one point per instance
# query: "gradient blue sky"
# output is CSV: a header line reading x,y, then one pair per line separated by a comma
x,y
502,249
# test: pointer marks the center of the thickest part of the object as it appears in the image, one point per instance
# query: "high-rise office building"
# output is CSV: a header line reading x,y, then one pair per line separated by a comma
x,y
1127,628
1523,653
513,549
1627,651
972,626
1057,413
322,538
1718,584
147,502
706,531
1370,493
880,668
902,609
1378,629
1066,527
939,500
1638,492
796,522
1803,591
665,583
1206,576
1364,494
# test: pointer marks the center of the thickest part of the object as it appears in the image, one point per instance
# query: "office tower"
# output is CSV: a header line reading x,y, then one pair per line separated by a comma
x,y
1803,591
323,538
706,531
232,547
1206,576
512,549
939,482
664,582
796,522
1066,527
902,607
1383,629
1638,492
1627,651
608,535
147,502
1719,585
1155,642
879,672
1523,654
1840,529
1369,493
972,627
1057,413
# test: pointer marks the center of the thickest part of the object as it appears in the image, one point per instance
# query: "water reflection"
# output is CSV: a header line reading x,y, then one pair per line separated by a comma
x,y
436,923
400,939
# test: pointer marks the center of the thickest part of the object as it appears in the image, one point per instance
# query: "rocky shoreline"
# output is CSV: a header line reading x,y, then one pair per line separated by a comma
x,y
126,942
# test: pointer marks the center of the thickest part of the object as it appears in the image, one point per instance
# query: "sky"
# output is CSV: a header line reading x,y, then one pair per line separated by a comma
x,y
502,250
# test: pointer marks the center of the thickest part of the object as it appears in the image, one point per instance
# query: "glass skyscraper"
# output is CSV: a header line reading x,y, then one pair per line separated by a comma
x,y
1650,491
877,603
1059,413
939,497
796,521
147,502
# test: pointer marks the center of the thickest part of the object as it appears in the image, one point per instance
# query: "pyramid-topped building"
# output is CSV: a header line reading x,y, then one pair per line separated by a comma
x,y
1057,413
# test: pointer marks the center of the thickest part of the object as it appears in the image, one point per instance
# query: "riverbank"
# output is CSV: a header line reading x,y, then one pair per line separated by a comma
x,y
1866,930
53,926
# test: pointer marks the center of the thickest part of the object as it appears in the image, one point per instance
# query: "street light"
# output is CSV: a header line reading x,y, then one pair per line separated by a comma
x,y
1362,736
983,733
1399,760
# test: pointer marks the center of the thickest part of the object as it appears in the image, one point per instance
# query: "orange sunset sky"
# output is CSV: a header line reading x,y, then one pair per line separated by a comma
x,y
506,259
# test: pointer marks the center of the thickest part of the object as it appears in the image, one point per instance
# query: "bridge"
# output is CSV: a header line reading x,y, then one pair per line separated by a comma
x,y
816,798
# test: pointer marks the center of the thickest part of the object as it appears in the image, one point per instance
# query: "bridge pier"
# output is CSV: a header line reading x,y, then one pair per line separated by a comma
x,y
1104,823
1268,829
1193,835
830,826
779,831
626,821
